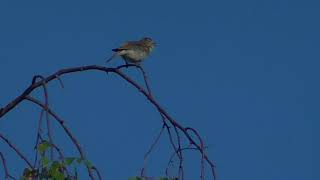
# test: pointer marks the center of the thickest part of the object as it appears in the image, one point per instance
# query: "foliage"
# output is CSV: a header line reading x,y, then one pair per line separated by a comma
x,y
54,169
48,166
161,178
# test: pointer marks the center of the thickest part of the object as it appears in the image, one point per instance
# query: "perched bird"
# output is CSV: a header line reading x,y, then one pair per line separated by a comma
x,y
134,51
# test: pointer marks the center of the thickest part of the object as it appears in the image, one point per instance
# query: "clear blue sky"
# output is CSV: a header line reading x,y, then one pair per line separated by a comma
x,y
245,74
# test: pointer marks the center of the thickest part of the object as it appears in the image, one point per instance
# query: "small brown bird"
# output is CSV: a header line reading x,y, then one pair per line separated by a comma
x,y
134,51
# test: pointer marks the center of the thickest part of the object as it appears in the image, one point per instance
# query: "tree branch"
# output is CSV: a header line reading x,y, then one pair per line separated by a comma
x,y
16,150
71,136
117,70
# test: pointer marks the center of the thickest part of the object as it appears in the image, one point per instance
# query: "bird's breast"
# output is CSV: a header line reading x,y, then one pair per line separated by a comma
x,y
133,55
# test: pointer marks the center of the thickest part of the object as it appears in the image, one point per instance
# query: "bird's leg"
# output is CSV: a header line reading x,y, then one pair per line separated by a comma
x,y
125,60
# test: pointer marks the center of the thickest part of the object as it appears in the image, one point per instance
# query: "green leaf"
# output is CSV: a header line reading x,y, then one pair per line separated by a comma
x,y
42,147
55,171
57,175
27,173
174,178
45,161
164,178
68,161
55,167
88,164
136,178
79,160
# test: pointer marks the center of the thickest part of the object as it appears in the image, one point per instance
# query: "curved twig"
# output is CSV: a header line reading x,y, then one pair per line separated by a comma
x,y
6,171
46,103
97,172
16,150
38,137
202,147
149,151
172,121
71,136
117,71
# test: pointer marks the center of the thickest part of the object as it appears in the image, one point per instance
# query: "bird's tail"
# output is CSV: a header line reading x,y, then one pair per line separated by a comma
x,y
111,58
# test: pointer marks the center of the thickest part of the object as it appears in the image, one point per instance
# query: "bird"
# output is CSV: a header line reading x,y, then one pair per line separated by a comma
x,y
134,51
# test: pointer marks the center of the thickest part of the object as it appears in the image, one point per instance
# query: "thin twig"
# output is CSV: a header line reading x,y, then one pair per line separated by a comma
x,y
174,154
202,153
61,156
149,151
71,136
46,103
172,121
97,172
145,78
181,172
176,149
38,137
60,81
6,171
12,146
54,76
117,71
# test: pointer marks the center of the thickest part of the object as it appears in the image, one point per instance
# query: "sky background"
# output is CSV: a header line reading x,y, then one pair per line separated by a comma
x,y
243,73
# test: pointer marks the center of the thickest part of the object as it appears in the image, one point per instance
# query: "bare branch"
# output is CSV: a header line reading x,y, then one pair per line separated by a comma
x,y
12,146
149,151
46,103
167,119
71,136
6,171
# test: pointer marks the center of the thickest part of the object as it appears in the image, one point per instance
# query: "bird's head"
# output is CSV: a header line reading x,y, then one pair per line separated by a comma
x,y
148,42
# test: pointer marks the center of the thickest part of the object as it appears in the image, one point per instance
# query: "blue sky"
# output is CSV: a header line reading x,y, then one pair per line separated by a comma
x,y
243,73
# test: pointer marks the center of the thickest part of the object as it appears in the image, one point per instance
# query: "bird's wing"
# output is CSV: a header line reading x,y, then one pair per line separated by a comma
x,y
129,45
124,46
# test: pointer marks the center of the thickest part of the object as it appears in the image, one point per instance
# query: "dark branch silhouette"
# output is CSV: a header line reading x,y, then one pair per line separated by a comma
x,y
176,136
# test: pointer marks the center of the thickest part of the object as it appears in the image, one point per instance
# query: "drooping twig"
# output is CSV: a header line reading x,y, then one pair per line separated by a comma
x,y
46,103
175,148
179,153
145,78
38,137
97,172
7,176
12,146
174,154
68,132
117,71
61,156
202,154
149,151
60,81
172,121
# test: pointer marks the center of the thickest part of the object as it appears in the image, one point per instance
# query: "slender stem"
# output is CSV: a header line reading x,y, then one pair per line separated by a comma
x,y
66,129
149,151
117,71
6,171
12,146
46,103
